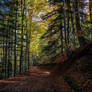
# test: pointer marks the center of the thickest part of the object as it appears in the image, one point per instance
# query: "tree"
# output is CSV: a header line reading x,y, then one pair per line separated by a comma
x,y
78,25
90,9
68,17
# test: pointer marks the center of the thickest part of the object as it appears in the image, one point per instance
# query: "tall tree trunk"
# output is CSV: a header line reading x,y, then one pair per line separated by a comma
x,y
22,29
65,29
3,70
68,21
72,26
8,68
61,37
90,9
15,57
81,39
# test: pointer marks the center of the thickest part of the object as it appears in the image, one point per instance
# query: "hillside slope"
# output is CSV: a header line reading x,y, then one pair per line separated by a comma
x,y
77,69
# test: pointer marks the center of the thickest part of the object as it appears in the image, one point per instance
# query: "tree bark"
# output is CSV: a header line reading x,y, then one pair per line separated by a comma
x,y
90,9
81,39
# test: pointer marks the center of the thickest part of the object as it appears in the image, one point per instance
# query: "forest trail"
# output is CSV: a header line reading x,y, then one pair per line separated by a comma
x,y
35,80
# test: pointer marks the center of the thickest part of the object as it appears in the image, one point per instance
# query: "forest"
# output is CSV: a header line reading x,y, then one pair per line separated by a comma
x,y
45,45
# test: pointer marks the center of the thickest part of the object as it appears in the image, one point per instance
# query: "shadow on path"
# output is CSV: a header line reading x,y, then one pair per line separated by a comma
x,y
35,80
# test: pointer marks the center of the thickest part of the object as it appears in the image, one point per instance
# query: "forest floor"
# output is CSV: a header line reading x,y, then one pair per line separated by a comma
x,y
35,80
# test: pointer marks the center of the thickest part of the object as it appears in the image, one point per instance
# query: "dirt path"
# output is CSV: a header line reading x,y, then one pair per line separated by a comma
x,y
35,81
